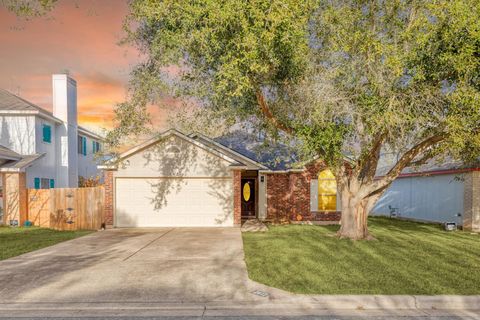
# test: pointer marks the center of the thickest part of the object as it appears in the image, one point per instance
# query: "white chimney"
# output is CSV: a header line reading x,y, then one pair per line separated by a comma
x,y
66,134
65,98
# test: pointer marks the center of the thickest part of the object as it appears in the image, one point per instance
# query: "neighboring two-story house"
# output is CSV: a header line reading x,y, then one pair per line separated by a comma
x,y
46,149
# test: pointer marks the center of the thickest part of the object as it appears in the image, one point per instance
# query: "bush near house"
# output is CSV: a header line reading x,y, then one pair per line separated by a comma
x,y
17,241
89,182
407,258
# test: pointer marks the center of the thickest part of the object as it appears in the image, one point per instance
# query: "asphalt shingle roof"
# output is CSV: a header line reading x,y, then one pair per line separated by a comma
x,y
8,153
275,156
10,101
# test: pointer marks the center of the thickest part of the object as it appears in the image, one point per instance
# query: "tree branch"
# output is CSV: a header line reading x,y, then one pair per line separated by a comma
x,y
268,113
369,161
405,160
422,160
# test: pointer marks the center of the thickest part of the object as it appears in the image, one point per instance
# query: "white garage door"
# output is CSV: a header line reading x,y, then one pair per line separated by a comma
x,y
173,202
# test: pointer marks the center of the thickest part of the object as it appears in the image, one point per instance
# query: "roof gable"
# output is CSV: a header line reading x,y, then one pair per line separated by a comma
x,y
111,164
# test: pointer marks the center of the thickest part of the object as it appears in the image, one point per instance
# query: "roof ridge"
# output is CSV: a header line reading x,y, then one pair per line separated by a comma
x,y
28,102
232,151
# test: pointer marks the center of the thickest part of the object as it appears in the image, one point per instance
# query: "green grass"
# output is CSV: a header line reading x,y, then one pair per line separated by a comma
x,y
406,258
16,241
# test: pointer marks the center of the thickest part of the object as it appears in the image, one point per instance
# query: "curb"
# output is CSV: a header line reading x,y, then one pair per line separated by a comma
x,y
327,302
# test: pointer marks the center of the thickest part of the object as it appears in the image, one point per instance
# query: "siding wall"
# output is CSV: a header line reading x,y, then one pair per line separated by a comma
x,y
436,198
87,165
44,167
160,160
18,133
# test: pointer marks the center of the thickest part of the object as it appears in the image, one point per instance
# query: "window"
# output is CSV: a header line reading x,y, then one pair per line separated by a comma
x,y
96,146
327,191
79,144
43,183
82,145
47,133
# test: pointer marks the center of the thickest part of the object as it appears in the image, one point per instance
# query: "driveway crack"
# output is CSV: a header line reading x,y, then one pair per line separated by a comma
x,y
160,236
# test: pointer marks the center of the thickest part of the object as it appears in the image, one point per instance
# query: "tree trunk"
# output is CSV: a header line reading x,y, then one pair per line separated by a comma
x,y
355,213
354,220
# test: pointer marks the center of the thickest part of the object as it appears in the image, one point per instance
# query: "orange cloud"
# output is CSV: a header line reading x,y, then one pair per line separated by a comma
x,y
80,37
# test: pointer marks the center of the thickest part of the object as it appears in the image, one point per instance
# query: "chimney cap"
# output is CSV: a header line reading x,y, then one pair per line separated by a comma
x,y
63,76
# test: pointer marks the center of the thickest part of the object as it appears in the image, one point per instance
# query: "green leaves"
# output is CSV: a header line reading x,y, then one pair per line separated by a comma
x,y
29,8
332,75
231,47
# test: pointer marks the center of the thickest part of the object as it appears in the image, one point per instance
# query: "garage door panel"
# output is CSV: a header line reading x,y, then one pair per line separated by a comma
x,y
173,202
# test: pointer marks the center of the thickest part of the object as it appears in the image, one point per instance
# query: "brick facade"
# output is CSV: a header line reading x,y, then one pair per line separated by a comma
x,y
288,196
237,197
108,176
471,201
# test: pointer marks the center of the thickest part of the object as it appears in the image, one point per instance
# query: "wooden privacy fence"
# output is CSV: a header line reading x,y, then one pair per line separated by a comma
x,y
67,209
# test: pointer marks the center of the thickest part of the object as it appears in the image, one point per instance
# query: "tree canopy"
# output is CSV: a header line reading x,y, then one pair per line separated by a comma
x,y
29,8
230,54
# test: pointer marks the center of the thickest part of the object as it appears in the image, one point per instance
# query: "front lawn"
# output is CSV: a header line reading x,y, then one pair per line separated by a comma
x,y
16,241
407,258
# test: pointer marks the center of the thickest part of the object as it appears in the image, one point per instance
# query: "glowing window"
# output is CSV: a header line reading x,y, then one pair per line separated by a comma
x,y
246,192
327,191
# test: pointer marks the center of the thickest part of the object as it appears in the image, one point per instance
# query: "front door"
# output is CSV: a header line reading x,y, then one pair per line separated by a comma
x,y
248,198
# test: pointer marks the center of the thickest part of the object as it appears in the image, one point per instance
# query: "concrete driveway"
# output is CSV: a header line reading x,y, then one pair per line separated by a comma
x,y
187,272
133,265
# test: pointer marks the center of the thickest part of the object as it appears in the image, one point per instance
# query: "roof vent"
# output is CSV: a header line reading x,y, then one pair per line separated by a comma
x,y
172,151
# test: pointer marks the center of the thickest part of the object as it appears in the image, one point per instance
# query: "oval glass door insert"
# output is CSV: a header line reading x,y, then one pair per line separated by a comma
x,y
246,192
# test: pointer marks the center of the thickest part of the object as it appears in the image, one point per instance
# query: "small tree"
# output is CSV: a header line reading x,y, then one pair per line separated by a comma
x,y
29,8
347,79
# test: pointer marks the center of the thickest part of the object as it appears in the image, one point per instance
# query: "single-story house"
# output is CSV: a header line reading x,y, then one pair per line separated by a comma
x,y
192,180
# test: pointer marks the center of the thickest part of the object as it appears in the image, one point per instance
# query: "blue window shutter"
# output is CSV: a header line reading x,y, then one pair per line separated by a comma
x,y
93,146
84,144
52,183
47,133
36,182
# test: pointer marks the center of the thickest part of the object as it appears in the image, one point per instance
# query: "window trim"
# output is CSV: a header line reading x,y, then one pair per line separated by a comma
x,y
82,148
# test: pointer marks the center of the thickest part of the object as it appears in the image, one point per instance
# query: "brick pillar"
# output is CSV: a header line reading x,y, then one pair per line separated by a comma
x,y
108,176
237,197
471,201
15,198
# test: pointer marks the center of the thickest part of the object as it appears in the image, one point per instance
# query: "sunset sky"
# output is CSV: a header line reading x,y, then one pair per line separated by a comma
x,y
78,36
